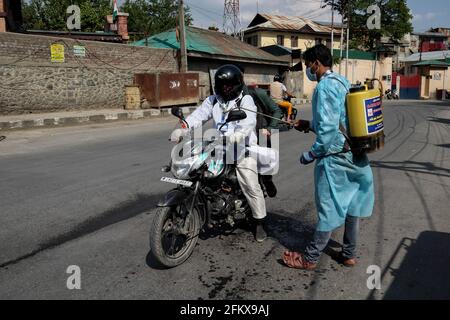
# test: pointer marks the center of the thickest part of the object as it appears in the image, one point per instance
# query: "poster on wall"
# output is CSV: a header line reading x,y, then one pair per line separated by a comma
x,y
374,115
437,76
79,51
57,52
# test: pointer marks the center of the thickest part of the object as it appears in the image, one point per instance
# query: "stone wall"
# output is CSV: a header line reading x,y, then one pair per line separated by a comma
x,y
31,83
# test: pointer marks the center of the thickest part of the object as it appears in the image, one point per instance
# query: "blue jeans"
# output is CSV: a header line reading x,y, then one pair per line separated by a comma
x,y
321,238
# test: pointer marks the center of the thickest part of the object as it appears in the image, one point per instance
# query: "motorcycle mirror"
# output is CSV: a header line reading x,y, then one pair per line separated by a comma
x,y
236,115
177,112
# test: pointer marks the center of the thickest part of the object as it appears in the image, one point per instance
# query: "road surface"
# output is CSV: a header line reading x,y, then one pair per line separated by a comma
x,y
85,196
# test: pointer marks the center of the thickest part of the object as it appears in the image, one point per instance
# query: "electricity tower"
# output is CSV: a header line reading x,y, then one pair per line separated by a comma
x,y
232,19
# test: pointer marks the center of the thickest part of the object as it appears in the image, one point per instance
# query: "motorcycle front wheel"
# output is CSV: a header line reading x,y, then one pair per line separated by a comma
x,y
172,237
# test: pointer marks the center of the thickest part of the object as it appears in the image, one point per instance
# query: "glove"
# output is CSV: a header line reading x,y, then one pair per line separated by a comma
x,y
303,126
237,137
177,134
307,158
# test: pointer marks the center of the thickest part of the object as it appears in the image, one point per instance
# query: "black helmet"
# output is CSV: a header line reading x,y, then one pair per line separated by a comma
x,y
277,78
229,82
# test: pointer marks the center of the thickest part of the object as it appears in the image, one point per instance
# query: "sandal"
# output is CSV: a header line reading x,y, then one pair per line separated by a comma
x,y
297,261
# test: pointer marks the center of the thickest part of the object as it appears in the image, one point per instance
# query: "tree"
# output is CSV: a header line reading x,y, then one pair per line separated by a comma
x,y
52,15
395,20
148,17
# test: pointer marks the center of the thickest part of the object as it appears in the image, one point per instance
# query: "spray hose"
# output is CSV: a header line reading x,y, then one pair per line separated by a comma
x,y
265,115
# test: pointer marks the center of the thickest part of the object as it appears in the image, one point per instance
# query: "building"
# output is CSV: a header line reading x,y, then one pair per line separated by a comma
x,y
432,41
434,78
401,49
291,32
428,71
10,15
445,31
207,50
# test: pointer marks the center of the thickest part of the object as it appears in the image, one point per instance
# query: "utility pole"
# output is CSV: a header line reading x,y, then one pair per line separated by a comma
x,y
332,32
332,26
183,51
348,38
342,49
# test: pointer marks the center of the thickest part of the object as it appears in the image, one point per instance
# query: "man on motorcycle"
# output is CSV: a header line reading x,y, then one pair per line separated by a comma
x,y
278,92
229,85
264,125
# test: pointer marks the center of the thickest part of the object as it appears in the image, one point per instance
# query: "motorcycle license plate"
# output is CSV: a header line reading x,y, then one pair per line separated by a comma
x,y
177,181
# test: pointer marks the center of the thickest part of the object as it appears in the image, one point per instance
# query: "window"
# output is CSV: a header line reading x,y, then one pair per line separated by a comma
x,y
280,40
294,41
253,40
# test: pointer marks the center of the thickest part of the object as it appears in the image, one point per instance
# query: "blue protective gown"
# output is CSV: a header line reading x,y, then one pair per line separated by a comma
x,y
343,182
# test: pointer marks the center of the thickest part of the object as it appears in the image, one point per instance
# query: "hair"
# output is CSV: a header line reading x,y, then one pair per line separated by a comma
x,y
321,53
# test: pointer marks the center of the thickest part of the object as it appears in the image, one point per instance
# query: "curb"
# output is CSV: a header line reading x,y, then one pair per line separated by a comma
x,y
51,122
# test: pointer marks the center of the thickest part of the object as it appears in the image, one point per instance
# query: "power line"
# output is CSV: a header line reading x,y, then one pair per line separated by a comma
x,y
205,15
206,10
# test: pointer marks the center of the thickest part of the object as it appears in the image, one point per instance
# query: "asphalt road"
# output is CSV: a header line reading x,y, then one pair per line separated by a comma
x,y
85,195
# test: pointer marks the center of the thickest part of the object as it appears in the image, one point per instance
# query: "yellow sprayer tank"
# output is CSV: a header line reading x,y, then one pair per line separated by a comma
x,y
365,114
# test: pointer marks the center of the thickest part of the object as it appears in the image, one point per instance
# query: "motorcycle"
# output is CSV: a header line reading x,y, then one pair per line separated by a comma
x,y
391,94
207,197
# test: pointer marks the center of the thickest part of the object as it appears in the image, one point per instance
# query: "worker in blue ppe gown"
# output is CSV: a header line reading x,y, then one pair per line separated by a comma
x,y
344,189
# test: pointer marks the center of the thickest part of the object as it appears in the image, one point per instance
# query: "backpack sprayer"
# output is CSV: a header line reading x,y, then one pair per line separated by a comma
x,y
365,118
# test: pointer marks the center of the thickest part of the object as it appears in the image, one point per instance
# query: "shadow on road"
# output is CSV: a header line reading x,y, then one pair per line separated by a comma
x,y
290,233
123,211
412,166
424,272
440,120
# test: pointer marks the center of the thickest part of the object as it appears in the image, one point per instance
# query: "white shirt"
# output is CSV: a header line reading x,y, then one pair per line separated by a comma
x,y
207,111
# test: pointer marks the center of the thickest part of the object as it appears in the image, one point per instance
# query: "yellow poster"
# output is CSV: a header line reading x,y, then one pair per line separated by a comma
x,y
57,52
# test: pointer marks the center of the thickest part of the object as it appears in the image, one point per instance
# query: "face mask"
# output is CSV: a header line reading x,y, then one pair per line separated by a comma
x,y
311,76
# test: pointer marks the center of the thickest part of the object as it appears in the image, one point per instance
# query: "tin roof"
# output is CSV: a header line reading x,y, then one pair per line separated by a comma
x,y
286,23
430,34
355,55
433,55
211,44
432,63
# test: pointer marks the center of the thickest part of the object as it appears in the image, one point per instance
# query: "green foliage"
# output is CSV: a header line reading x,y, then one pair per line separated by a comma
x,y
51,14
148,17
395,20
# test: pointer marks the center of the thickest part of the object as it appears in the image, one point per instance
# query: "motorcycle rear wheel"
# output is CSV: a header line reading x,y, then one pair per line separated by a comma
x,y
168,246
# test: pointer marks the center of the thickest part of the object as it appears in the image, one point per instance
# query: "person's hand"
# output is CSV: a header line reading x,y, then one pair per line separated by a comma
x,y
303,126
266,132
307,157
178,134
237,137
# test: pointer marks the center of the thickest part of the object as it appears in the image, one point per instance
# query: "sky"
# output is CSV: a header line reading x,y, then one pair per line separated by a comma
x,y
427,13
